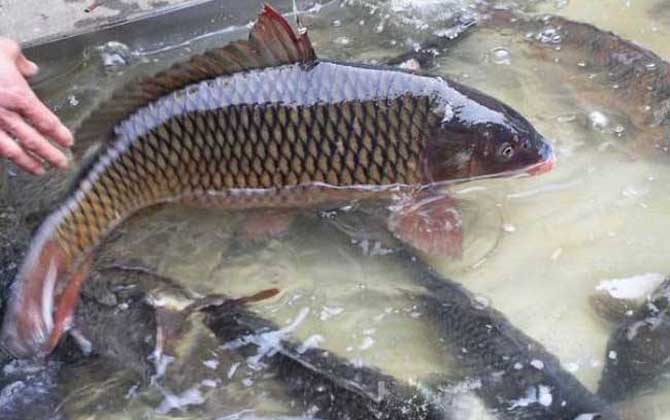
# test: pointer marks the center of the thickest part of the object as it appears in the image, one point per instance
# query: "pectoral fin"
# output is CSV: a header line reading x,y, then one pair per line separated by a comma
x,y
431,224
266,224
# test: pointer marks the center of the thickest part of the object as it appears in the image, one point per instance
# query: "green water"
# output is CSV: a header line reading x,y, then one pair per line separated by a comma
x,y
535,248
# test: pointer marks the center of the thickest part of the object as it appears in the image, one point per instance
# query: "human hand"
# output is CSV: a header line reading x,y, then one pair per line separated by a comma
x,y
25,122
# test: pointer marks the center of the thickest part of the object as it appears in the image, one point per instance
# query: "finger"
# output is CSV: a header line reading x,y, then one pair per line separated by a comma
x,y
41,117
11,150
31,140
25,66
9,47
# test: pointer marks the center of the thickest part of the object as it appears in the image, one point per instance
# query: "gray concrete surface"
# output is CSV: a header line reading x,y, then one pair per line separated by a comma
x,y
28,20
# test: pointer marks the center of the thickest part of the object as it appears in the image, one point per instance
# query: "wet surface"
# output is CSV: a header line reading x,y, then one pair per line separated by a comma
x,y
27,21
535,248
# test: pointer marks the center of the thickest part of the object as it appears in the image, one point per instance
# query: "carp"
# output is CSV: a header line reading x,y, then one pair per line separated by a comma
x,y
263,123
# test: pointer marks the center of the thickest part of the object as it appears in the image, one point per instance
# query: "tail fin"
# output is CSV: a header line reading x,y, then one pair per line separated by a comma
x,y
42,301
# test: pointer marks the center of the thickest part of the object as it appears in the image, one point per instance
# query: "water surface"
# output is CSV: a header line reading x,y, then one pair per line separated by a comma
x,y
535,247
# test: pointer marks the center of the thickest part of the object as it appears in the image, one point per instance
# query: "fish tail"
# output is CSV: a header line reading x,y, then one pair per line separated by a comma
x,y
66,304
28,320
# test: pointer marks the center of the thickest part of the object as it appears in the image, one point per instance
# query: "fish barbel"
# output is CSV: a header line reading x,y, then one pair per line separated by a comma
x,y
262,123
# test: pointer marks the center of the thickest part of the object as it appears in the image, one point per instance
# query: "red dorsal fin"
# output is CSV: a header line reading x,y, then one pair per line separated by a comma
x,y
272,42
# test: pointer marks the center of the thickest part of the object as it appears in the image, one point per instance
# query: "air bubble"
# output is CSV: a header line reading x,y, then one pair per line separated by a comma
x,y
549,36
72,100
342,40
501,56
115,55
598,120
481,302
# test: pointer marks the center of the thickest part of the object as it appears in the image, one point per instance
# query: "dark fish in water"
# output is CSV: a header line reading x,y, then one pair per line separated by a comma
x,y
617,73
424,56
103,329
638,351
314,377
261,123
156,307
325,385
514,375
517,377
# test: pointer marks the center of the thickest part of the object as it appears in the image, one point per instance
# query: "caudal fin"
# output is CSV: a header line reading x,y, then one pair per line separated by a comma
x,y
41,303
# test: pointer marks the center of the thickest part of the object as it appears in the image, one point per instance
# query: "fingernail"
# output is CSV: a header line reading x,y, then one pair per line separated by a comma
x,y
67,135
40,171
63,163
34,68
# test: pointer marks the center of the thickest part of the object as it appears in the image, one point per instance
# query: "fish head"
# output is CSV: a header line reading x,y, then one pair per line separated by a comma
x,y
478,136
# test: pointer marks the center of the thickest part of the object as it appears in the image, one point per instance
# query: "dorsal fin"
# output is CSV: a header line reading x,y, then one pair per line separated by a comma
x,y
272,42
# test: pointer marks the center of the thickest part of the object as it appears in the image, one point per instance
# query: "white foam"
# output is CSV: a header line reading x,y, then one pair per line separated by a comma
x,y
634,287
534,395
268,343
310,342
251,415
191,396
212,363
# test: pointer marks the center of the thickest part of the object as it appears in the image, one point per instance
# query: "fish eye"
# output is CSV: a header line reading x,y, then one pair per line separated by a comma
x,y
506,151
525,144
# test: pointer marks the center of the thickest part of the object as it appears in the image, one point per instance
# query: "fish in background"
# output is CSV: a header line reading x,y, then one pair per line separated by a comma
x,y
617,74
513,374
637,357
264,123
321,383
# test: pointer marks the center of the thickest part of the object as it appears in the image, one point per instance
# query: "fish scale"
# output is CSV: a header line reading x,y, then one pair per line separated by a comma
x,y
264,123
257,146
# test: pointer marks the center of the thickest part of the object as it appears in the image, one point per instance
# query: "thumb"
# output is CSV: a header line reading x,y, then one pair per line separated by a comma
x,y
25,66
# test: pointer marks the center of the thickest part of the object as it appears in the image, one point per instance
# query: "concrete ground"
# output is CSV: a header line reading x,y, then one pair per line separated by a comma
x,y
29,20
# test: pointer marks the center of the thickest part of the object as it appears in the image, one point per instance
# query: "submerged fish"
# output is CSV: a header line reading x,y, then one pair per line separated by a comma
x,y
261,123
324,385
514,375
638,351
617,73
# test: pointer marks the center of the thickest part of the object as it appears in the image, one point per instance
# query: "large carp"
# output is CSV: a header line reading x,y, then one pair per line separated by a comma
x,y
264,123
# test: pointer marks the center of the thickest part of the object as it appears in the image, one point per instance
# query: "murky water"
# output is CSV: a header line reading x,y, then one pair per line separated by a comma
x,y
536,248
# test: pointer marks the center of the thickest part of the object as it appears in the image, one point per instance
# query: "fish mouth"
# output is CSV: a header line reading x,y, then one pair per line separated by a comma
x,y
542,167
546,165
